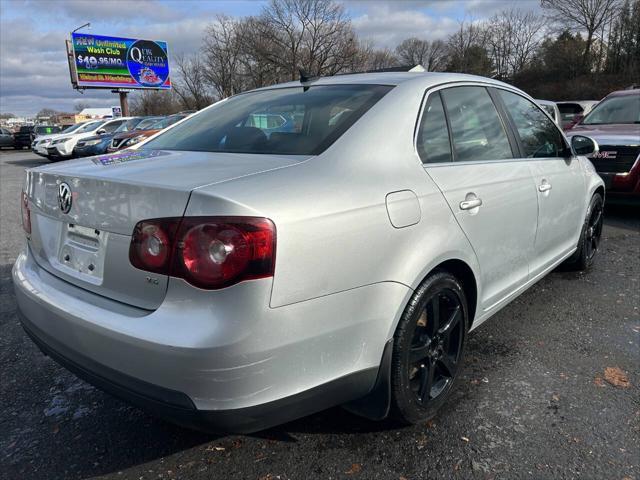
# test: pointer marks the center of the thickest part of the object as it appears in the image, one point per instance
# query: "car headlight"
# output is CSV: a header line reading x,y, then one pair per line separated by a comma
x,y
88,143
60,140
134,140
44,142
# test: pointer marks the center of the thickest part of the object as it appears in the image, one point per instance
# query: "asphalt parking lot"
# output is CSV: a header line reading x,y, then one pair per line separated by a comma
x,y
535,400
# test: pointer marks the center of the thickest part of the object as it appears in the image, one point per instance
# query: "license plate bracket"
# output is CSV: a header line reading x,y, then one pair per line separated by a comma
x,y
82,251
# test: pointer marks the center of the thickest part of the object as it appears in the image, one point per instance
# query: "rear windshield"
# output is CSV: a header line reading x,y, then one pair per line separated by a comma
x,y
44,130
293,121
622,109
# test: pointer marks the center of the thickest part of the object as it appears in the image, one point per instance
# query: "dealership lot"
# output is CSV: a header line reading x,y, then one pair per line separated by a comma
x,y
534,401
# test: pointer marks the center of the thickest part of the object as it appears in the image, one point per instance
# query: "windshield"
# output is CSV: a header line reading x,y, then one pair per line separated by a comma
x,y
619,109
147,122
73,128
128,125
165,122
89,127
292,121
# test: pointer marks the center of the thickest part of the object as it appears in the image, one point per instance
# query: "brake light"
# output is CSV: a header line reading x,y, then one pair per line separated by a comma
x,y
208,252
26,213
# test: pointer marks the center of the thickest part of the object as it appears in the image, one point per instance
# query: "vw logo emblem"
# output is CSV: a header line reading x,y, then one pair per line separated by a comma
x,y
64,197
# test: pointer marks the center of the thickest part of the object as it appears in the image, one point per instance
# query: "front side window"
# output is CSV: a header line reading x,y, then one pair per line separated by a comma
x,y
476,129
433,135
621,109
292,121
538,134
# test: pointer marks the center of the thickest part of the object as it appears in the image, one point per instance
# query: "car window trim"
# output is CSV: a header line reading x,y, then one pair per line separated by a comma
x,y
421,112
512,123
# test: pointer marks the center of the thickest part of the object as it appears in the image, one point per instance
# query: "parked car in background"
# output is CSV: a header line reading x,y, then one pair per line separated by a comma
x,y
615,124
98,144
41,142
138,135
6,138
39,130
22,137
551,108
232,280
120,139
61,148
572,111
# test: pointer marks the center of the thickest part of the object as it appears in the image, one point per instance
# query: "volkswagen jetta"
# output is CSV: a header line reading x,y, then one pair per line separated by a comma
x,y
229,275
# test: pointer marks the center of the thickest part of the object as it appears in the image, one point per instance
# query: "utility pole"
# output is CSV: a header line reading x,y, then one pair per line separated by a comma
x,y
124,103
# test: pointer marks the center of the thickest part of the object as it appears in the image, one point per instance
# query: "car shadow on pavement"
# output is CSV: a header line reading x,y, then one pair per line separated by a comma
x,y
28,163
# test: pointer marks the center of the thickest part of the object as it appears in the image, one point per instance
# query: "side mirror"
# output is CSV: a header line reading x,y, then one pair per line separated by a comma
x,y
584,145
101,131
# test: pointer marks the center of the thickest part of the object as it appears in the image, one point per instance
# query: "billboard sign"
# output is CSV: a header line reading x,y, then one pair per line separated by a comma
x,y
114,62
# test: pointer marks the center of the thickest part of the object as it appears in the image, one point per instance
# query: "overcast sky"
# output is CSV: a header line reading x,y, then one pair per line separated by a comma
x,y
34,72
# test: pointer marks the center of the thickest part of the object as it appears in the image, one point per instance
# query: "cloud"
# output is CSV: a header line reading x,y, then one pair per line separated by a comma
x,y
33,69
387,26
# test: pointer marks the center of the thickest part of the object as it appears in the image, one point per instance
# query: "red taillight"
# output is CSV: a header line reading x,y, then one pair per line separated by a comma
x,y
208,252
26,213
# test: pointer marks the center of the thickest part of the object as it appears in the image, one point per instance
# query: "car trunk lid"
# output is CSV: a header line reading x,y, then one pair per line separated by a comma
x,y
88,245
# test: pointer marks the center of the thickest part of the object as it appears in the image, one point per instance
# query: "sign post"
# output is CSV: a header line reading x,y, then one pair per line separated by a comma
x,y
124,104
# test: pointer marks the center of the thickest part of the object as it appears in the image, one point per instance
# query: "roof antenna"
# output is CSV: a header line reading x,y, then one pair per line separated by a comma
x,y
305,77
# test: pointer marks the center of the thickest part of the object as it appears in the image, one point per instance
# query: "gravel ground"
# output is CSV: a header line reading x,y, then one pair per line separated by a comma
x,y
534,401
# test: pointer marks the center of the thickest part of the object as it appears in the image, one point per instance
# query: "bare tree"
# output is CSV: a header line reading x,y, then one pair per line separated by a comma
x,y
80,105
582,15
414,51
190,84
513,37
466,49
222,56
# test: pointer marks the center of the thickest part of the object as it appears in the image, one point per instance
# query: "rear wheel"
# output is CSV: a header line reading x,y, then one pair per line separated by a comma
x,y
428,348
590,236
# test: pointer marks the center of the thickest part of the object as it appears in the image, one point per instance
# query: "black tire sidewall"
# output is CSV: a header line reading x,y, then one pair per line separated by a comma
x,y
405,406
582,262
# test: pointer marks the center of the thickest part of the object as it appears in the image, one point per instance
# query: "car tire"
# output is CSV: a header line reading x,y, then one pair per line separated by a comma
x,y
590,236
427,355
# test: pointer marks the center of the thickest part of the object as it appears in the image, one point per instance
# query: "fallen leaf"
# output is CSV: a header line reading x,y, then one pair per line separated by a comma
x,y
616,377
403,478
465,439
555,398
355,468
56,429
430,424
598,381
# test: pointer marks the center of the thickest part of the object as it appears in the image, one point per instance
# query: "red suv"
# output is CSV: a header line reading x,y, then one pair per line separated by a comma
x,y
615,124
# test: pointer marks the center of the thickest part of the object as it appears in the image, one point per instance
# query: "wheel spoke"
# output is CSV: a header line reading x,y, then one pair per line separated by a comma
x,y
596,220
419,353
426,381
435,312
448,366
451,323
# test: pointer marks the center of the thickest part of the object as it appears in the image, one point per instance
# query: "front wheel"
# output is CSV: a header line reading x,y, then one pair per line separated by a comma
x,y
428,348
590,236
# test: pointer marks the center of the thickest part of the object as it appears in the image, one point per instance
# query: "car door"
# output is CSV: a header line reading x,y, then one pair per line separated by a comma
x,y
470,154
558,177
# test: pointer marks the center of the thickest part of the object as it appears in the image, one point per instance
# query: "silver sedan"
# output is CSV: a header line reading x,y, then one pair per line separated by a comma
x,y
317,243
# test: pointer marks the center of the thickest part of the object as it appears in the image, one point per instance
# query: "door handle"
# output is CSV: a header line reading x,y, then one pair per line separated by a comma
x,y
469,204
544,186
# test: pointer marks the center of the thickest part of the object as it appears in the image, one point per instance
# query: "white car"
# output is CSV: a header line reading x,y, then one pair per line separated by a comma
x,y
61,148
41,142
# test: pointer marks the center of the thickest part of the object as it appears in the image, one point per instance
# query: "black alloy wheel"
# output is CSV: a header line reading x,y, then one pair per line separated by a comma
x,y
428,348
594,231
436,346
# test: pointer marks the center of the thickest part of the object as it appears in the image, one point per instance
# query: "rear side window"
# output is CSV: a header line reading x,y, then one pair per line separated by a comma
x,y
294,121
476,128
433,135
538,134
113,126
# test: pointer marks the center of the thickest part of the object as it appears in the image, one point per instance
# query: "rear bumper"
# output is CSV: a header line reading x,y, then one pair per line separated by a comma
x,y
219,368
